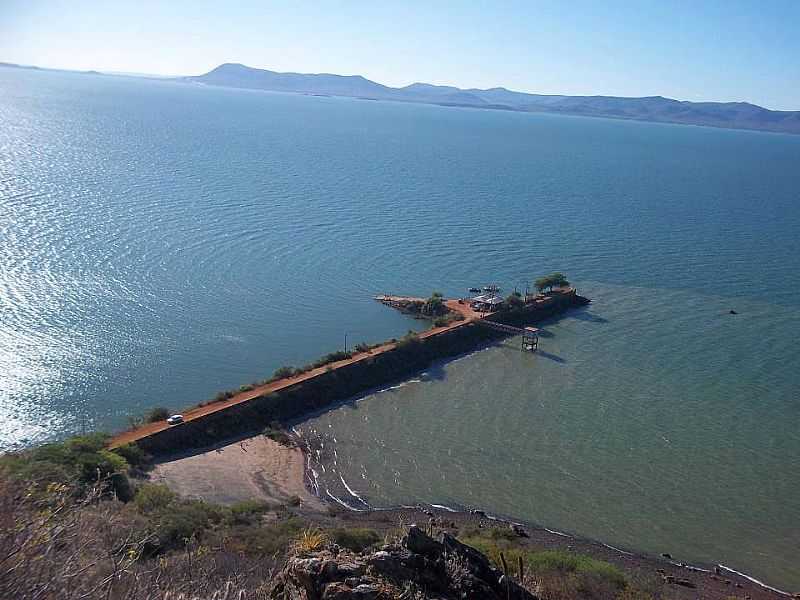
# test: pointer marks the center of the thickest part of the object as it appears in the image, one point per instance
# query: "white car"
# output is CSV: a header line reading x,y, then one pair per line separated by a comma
x,y
175,419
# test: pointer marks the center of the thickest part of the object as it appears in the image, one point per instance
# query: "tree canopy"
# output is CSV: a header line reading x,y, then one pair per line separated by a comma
x,y
550,281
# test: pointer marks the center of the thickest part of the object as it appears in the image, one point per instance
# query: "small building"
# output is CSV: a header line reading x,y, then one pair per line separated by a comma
x,y
487,302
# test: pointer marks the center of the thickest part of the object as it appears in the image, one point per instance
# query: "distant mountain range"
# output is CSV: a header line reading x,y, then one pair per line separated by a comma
x,y
736,115
732,115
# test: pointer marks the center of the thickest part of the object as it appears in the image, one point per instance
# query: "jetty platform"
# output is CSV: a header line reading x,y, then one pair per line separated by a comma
x,y
470,315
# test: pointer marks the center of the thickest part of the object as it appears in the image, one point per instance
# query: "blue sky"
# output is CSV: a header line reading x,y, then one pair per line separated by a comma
x,y
691,50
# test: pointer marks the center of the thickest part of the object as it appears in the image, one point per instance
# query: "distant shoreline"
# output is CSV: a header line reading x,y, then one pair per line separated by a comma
x,y
739,116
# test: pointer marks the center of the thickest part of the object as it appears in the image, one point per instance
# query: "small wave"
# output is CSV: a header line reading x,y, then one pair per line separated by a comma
x,y
443,507
754,580
561,533
342,502
615,548
397,386
353,492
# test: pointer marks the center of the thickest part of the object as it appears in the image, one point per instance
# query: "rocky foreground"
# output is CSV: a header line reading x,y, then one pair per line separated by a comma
x,y
417,566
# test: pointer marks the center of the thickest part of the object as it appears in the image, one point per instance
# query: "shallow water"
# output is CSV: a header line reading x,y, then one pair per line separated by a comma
x,y
160,242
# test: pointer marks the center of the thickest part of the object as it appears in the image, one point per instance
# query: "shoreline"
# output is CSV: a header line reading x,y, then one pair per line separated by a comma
x,y
257,468
717,573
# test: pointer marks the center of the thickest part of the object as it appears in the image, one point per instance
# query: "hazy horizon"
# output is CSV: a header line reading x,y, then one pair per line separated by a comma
x,y
467,88
719,51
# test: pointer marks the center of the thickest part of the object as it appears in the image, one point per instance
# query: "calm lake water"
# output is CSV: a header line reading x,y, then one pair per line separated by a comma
x,y
160,242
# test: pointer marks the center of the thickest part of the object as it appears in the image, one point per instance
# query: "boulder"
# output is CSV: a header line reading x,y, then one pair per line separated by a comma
x,y
443,569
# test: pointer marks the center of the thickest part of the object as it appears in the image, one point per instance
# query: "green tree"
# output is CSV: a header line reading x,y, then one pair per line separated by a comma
x,y
550,281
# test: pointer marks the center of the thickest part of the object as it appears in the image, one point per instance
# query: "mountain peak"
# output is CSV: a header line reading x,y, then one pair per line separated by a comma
x,y
741,115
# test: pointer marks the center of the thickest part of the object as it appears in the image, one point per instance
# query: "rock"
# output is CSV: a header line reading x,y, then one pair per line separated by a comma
x,y
337,591
732,312
717,571
438,569
518,529
329,570
365,592
480,513
350,569
419,542
666,555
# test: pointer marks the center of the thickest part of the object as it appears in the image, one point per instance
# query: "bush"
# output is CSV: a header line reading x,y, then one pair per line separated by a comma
x,y
409,341
434,306
153,497
154,415
277,434
267,540
133,455
83,460
356,539
551,281
332,357
283,373
559,560
582,575
222,396
181,521
248,512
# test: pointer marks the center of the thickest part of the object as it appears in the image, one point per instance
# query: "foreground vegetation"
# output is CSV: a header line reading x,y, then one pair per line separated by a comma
x,y
79,521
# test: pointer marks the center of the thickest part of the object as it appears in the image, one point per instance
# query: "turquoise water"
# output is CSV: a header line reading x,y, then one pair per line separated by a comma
x,y
160,242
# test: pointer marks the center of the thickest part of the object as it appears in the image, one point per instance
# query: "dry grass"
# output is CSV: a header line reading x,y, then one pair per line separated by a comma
x,y
309,540
56,547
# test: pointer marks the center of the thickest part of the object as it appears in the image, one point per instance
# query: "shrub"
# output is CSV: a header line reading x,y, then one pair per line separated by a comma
x,y
434,306
356,539
154,415
181,521
309,540
551,281
363,347
331,357
133,455
283,373
81,460
558,560
153,497
277,434
409,341
265,540
222,396
585,576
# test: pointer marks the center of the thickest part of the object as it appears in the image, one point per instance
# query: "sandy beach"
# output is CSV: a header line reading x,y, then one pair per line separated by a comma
x,y
256,468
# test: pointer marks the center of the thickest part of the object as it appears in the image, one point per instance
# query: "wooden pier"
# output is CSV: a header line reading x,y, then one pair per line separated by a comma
x,y
530,335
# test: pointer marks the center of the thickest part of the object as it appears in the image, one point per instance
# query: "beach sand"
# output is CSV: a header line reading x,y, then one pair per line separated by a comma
x,y
256,468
